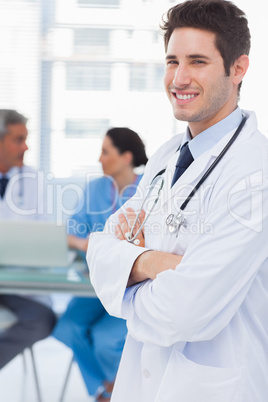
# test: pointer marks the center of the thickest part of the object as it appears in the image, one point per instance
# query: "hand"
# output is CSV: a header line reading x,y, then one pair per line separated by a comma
x,y
151,263
125,224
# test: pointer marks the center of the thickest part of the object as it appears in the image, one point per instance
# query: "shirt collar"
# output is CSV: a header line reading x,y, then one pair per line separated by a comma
x,y
212,135
11,172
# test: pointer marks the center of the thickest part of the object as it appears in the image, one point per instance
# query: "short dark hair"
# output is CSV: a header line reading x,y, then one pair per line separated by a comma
x,y
125,140
221,17
7,117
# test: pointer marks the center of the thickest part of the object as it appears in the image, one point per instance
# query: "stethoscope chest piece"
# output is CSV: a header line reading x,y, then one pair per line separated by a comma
x,y
169,219
174,222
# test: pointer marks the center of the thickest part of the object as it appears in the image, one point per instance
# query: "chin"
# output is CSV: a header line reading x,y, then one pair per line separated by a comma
x,y
18,164
181,115
189,117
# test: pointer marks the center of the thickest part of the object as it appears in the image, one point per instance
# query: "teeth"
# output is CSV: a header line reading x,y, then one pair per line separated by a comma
x,y
183,97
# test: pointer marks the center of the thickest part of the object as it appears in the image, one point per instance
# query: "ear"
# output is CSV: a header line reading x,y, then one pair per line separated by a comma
x,y
128,157
239,68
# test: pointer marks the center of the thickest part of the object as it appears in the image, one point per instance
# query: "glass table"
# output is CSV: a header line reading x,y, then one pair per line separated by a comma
x,y
73,279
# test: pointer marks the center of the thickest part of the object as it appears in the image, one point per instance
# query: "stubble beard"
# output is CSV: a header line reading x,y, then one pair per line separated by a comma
x,y
211,105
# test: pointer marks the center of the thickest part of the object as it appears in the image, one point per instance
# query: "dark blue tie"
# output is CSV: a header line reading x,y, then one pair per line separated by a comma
x,y
184,161
3,186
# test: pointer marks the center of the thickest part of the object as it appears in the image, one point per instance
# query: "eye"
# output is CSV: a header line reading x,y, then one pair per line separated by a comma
x,y
198,62
172,62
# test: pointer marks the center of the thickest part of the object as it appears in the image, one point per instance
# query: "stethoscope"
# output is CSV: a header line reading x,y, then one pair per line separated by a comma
x,y
174,222
129,235
21,188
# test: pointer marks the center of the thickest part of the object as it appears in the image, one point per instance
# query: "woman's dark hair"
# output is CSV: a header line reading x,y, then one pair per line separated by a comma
x,y
221,17
125,140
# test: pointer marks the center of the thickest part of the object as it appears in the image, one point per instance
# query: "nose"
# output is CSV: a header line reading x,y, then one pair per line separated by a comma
x,y
182,77
25,147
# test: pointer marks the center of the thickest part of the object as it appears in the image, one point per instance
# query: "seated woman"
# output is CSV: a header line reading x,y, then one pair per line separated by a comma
x,y
96,338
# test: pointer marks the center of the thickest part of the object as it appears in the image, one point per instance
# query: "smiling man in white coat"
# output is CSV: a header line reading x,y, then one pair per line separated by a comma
x,y
192,281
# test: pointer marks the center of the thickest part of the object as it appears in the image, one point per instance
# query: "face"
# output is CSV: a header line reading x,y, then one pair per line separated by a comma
x,y
195,79
113,163
13,147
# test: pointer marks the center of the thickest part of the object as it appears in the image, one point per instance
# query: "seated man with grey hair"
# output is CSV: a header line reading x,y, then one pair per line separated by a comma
x,y
20,199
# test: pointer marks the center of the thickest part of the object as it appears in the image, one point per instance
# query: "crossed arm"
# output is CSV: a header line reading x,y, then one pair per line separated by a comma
x,y
195,302
149,263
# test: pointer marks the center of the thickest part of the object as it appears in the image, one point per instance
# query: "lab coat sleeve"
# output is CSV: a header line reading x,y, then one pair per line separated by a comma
x,y
110,271
198,299
110,260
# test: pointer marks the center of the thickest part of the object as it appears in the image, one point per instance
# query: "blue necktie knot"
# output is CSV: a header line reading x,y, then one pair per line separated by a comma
x,y
184,161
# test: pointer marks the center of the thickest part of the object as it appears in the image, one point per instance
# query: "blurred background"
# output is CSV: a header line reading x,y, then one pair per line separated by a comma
x,y
76,68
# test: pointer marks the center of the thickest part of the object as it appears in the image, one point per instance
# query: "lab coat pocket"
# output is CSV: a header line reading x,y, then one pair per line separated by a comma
x,y
186,381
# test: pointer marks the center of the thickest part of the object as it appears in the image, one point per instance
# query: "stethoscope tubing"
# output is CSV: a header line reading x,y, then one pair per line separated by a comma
x,y
129,235
214,164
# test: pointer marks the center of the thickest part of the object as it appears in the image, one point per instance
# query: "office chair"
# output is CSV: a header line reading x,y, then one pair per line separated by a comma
x,y
7,319
66,379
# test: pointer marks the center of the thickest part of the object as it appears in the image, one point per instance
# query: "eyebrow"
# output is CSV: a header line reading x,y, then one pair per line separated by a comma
x,y
190,56
171,57
197,56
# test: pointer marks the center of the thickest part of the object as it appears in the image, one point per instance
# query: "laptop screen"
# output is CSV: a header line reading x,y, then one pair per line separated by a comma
x,y
33,244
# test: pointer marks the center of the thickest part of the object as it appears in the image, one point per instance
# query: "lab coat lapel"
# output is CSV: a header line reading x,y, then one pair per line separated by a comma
x,y
197,169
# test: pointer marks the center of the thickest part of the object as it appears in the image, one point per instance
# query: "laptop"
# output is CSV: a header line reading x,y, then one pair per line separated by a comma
x,y
34,244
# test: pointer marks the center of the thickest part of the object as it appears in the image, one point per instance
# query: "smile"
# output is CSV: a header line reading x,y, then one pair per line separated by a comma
x,y
184,97
178,96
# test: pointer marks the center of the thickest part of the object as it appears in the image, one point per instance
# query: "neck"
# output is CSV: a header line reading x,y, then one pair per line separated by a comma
x,y
3,169
124,178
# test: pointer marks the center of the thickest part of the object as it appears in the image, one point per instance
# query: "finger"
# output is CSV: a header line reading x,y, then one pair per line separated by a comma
x,y
123,224
131,217
142,216
118,232
131,213
141,220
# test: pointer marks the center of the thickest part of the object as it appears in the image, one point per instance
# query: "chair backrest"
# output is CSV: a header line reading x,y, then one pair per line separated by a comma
x,y
7,318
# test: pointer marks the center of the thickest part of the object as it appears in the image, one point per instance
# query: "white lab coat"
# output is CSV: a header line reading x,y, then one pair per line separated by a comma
x,y
198,333
24,197
24,200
